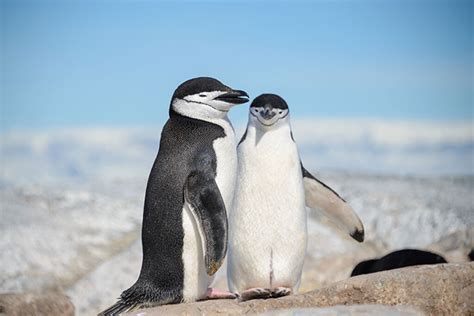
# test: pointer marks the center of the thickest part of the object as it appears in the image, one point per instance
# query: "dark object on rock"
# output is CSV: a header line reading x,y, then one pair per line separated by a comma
x,y
25,304
397,259
471,255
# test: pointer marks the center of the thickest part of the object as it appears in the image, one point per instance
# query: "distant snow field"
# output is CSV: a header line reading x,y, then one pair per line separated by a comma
x,y
72,201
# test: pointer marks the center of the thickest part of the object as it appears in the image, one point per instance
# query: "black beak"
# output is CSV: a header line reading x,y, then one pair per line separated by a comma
x,y
267,113
234,97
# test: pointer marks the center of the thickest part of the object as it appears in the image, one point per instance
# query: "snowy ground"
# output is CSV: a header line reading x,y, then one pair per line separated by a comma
x,y
86,241
71,208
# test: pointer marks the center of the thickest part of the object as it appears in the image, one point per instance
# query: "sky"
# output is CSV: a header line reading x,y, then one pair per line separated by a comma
x,y
117,63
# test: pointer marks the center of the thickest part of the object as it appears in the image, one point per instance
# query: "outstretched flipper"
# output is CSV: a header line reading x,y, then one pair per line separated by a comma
x,y
205,201
325,200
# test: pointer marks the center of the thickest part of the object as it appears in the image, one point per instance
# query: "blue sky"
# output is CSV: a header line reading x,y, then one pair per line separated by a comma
x,y
116,63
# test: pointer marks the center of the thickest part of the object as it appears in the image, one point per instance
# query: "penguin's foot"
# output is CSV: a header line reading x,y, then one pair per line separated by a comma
x,y
281,291
213,294
255,293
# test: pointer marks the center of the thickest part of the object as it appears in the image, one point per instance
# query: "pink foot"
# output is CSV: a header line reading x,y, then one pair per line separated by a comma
x,y
213,294
255,293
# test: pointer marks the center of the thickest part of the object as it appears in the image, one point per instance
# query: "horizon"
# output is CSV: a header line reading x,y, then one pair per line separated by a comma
x,y
358,146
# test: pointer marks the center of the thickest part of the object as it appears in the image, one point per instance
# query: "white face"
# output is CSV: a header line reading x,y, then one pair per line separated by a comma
x,y
203,105
267,119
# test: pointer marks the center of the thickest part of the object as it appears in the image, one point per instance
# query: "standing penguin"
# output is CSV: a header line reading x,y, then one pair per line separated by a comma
x,y
267,225
190,187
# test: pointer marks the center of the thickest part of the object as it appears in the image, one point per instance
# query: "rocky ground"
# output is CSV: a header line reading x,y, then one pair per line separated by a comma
x,y
445,289
84,239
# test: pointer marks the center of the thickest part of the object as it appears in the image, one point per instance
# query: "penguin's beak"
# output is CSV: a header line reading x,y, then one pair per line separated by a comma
x,y
234,97
267,113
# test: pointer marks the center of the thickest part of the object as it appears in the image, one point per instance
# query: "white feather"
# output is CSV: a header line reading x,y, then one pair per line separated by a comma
x,y
196,280
267,226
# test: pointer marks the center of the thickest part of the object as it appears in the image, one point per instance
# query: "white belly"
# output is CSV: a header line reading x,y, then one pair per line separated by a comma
x,y
226,154
267,227
196,280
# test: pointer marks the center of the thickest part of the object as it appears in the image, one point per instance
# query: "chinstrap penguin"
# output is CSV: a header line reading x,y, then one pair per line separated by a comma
x,y
190,187
268,223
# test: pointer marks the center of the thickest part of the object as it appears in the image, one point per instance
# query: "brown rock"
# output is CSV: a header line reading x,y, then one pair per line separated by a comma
x,y
50,304
446,289
348,310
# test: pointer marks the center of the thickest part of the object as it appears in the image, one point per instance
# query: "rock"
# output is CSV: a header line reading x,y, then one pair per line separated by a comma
x,y
26,304
353,310
445,289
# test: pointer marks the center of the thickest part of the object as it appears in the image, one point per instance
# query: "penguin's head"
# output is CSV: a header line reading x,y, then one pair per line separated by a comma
x,y
205,98
269,111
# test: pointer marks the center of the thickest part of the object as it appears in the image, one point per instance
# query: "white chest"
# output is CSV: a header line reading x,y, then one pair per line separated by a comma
x,y
269,172
226,156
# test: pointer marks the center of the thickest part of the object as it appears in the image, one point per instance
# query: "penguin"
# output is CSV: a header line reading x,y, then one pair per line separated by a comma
x,y
189,190
397,259
268,223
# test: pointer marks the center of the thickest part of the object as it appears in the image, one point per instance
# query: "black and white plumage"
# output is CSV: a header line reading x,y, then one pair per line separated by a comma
x,y
190,187
268,224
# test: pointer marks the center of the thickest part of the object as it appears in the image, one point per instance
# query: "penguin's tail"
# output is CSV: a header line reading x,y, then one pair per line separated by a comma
x,y
141,295
117,309
129,300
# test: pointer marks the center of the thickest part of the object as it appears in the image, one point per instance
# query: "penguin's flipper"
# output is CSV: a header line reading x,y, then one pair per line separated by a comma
x,y
206,203
325,200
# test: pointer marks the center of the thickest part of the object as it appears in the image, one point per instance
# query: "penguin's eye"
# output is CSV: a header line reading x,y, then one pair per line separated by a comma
x,y
256,110
203,95
280,111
